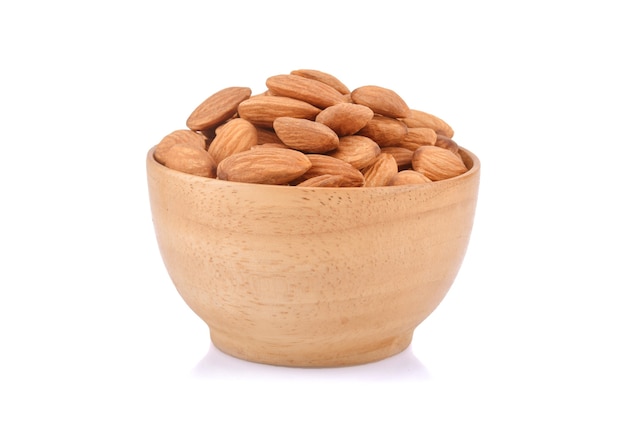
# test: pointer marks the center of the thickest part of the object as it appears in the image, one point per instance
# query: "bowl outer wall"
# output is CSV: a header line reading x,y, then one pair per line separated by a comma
x,y
311,276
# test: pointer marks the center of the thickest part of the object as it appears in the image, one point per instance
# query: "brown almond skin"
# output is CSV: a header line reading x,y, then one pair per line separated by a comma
x,y
266,135
217,108
304,89
324,181
324,77
437,163
446,142
382,101
272,145
264,109
264,166
208,134
359,151
345,118
179,136
403,156
305,135
384,130
417,137
409,177
418,119
190,159
234,136
327,165
380,173
348,98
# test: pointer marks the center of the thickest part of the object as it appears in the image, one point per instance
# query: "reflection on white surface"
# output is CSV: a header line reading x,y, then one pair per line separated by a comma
x,y
404,366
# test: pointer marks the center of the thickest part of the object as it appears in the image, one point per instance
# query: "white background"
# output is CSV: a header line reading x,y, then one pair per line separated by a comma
x,y
94,337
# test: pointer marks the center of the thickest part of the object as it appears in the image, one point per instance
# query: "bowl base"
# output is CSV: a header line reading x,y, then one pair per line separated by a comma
x,y
311,355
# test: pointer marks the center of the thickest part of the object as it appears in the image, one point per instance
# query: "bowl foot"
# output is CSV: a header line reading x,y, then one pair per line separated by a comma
x,y
311,354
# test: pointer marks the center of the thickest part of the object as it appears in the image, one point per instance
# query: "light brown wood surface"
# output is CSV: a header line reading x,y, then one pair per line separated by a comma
x,y
311,276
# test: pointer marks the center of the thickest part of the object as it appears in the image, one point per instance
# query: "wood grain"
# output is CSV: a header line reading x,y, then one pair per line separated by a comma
x,y
311,276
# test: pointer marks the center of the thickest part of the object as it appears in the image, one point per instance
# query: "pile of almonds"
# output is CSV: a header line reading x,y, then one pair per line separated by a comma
x,y
309,129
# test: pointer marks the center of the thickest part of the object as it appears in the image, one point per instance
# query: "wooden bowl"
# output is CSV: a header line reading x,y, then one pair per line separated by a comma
x,y
311,276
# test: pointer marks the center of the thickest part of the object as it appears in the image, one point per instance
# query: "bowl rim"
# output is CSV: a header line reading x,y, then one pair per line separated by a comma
x,y
465,154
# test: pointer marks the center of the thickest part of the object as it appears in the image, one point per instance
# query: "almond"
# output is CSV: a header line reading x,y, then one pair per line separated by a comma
x,y
208,134
190,159
327,165
264,166
266,135
382,101
417,119
403,156
437,163
217,108
417,137
446,142
234,136
409,177
324,181
359,151
262,110
305,135
179,136
324,77
271,145
348,98
345,118
304,89
380,173
384,130
307,128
